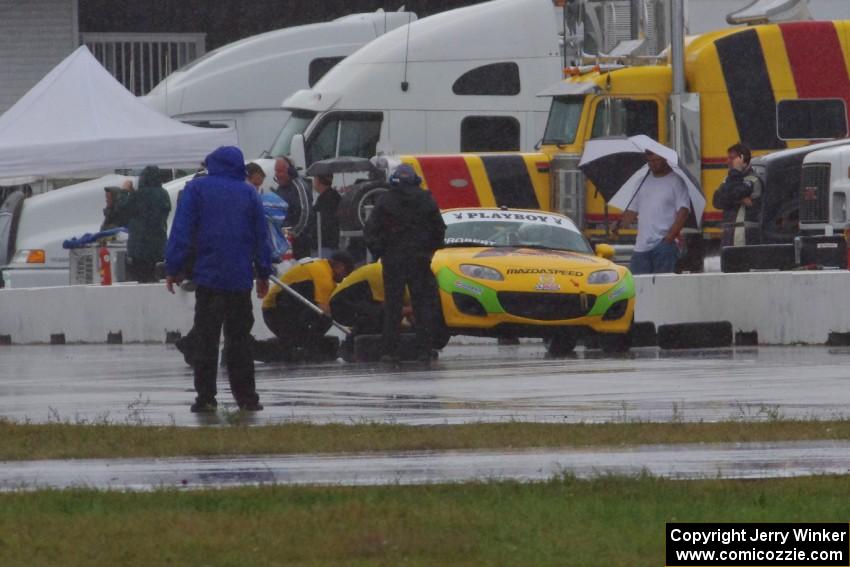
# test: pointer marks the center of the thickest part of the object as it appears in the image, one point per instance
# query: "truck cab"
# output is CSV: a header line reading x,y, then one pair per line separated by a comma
x,y
464,80
765,86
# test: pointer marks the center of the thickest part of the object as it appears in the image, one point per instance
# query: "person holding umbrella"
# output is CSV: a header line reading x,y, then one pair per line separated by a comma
x,y
661,206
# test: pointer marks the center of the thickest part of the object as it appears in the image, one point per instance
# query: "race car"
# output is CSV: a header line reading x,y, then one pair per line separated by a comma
x,y
524,273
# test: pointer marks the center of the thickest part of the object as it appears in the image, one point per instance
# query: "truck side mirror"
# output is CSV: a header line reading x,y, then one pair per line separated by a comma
x,y
296,151
605,251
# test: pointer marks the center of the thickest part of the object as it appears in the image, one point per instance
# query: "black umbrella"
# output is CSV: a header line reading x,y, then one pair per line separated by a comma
x,y
610,162
343,164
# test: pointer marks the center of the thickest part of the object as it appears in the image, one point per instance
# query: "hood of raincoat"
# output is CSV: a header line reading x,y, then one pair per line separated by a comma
x,y
227,161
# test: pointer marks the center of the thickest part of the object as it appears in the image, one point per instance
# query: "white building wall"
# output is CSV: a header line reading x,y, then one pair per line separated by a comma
x,y
35,35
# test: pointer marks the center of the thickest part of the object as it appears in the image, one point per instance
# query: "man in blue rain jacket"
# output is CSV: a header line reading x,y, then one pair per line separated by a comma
x,y
220,218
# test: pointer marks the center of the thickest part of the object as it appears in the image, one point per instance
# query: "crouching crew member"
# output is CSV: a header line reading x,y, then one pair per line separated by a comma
x,y
404,230
297,327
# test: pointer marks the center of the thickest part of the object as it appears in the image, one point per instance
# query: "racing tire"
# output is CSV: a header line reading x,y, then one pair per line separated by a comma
x,y
354,207
643,334
615,343
736,259
715,334
560,345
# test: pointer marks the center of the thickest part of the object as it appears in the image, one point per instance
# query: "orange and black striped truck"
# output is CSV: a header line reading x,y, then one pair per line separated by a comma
x,y
770,86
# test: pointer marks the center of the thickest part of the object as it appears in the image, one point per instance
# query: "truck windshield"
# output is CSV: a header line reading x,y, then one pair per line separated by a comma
x,y
297,124
564,116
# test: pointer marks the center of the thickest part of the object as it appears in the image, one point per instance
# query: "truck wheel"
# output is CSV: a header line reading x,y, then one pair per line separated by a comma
x,y
560,344
356,203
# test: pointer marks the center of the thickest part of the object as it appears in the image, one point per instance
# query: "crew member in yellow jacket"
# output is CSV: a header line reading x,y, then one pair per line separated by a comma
x,y
294,323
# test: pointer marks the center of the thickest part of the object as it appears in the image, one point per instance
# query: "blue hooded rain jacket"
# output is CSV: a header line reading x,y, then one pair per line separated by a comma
x,y
220,217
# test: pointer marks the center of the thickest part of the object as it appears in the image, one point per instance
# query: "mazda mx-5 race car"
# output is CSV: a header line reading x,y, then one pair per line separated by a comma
x,y
522,273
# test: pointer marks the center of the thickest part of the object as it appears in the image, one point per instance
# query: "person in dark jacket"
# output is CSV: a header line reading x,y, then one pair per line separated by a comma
x,y
220,217
325,213
292,189
739,198
144,211
404,230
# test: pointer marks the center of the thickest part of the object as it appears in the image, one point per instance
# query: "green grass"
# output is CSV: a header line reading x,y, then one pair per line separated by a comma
x,y
62,440
605,522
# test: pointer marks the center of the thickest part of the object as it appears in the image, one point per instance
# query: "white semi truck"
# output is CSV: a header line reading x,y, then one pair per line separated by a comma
x,y
242,84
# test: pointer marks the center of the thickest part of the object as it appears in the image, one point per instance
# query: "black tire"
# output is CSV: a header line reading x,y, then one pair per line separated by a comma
x,y
352,211
643,334
714,334
560,344
735,259
615,343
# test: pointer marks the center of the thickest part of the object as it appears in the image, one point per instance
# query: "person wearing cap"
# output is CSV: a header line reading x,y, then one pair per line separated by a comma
x,y
298,328
404,230
220,219
323,227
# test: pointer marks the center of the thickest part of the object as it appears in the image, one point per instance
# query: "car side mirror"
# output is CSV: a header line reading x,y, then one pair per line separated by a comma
x,y
605,251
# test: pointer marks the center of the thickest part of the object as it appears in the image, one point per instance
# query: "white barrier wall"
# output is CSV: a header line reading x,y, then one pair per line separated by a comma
x,y
783,307
87,314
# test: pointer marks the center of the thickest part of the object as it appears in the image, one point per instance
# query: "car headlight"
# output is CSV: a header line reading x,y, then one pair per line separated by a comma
x,y
481,272
603,277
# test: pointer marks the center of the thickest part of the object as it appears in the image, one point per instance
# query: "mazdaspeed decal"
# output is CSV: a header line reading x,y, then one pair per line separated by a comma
x,y
552,271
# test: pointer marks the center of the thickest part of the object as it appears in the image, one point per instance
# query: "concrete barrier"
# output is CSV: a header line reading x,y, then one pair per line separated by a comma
x,y
781,307
91,314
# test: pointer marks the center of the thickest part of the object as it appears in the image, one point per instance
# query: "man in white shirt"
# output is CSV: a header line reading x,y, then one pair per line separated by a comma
x,y
661,207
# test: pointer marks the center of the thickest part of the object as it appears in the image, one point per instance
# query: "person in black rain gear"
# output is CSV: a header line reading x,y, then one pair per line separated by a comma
x,y
739,198
404,230
325,213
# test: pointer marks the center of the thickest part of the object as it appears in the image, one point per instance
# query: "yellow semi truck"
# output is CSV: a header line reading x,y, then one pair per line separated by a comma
x,y
771,87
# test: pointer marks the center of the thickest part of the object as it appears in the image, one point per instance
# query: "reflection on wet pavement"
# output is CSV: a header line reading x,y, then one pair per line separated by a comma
x,y
149,384
743,460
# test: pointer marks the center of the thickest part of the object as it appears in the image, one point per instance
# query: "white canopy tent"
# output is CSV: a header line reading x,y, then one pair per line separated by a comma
x,y
79,118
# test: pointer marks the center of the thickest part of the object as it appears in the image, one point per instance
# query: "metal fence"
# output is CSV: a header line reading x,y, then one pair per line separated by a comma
x,y
141,60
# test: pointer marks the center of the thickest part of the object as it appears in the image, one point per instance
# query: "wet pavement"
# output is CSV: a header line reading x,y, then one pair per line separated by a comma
x,y
150,384
727,461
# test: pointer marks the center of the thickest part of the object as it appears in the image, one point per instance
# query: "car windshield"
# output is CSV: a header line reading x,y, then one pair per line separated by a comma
x,y
297,124
510,233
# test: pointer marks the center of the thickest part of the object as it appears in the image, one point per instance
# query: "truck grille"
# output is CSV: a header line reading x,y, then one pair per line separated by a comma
x,y
814,193
546,306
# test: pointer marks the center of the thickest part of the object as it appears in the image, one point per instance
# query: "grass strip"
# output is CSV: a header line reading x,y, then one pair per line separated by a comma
x,y
21,441
608,521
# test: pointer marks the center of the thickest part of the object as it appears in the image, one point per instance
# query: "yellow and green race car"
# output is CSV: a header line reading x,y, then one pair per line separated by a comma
x,y
524,273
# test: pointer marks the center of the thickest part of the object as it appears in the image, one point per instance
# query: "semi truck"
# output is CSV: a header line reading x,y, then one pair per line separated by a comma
x,y
771,86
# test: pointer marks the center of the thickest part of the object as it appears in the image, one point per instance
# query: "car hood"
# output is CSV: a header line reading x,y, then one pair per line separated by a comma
x,y
504,257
